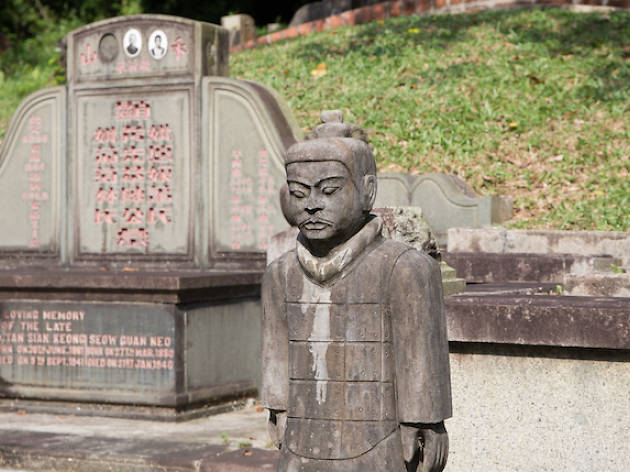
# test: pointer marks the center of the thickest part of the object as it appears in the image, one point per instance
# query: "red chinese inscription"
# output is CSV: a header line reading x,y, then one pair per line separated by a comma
x,y
133,173
180,48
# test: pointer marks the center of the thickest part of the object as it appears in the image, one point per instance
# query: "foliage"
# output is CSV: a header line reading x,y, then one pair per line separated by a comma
x,y
30,43
263,12
532,104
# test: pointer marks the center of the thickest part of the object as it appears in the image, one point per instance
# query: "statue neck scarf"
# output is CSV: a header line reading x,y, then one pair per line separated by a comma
x,y
322,269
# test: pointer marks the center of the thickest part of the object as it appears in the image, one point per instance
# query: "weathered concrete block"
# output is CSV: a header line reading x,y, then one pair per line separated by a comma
x,y
598,285
535,410
168,340
496,240
243,24
489,267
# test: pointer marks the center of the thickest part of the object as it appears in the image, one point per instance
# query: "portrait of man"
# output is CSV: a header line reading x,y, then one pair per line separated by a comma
x,y
132,42
158,44
356,372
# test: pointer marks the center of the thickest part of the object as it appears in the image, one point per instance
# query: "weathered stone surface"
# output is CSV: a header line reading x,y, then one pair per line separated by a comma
x,y
487,267
248,130
542,320
144,220
242,28
317,10
407,225
597,285
151,347
538,409
403,224
67,452
131,185
497,240
32,159
446,201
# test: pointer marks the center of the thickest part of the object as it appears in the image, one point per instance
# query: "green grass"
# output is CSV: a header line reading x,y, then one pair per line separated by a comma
x,y
532,104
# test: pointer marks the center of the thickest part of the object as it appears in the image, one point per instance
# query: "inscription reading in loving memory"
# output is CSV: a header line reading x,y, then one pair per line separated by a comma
x,y
133,173
56,338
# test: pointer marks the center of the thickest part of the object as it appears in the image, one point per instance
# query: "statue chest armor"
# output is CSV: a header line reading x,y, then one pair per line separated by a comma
x,y
341,364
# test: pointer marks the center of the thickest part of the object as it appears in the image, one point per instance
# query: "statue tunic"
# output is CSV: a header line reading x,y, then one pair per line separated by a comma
x,y
353,345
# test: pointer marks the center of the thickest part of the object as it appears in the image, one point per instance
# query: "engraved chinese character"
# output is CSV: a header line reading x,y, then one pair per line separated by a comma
x,y
179,46
106,195
133,215
104,216
160,214
133,237
132,194
160,193
133,174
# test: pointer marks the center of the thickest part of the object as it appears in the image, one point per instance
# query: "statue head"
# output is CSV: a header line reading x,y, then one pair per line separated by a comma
x,y
331,178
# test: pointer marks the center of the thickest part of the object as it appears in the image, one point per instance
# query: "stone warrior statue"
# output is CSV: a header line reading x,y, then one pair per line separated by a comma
x,y
355,355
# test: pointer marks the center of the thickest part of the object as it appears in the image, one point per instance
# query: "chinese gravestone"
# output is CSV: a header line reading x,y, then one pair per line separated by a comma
x,y
137,205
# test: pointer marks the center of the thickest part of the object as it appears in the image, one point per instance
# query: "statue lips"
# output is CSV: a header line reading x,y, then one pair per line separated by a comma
x,y
315,224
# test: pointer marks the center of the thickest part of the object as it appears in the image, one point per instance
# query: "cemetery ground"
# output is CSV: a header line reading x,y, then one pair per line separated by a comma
x,y
532,104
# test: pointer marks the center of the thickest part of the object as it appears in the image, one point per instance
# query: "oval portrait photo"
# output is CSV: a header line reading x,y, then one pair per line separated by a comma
x,y
132,42
158,44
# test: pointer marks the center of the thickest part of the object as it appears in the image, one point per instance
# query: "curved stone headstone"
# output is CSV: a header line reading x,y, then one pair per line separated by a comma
x,y
446,201
32,164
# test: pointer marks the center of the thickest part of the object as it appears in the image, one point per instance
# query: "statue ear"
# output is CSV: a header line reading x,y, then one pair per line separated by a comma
x,y
369,192
285,205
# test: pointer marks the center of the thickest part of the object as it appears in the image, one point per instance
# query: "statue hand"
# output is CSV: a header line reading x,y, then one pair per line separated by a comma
x,y
435,447
410,438
277,425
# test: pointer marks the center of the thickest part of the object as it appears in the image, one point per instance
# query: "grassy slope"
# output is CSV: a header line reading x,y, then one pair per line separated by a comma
x,y
530,104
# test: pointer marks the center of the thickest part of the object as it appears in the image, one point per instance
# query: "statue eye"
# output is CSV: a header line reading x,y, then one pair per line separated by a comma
x,y
297,193
329,190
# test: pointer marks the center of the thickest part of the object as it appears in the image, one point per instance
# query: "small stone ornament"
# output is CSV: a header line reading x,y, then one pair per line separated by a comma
x,y
356,371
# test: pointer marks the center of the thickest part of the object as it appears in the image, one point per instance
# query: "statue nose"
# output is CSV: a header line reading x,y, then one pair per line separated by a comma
x,y
313,203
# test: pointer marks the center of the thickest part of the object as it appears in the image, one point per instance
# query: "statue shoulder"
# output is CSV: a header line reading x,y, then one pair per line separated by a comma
x,y
279,267
408,258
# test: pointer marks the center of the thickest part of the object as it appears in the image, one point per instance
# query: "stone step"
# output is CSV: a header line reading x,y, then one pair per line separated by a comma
x,y
598,285
489,267
502,241
539,320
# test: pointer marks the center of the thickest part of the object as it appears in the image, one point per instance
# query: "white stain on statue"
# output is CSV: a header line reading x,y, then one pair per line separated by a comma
x,y
320,336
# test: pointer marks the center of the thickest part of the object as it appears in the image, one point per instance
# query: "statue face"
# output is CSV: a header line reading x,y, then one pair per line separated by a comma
x,y
324,201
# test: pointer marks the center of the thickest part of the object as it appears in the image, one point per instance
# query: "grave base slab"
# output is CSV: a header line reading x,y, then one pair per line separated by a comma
x,y
165,343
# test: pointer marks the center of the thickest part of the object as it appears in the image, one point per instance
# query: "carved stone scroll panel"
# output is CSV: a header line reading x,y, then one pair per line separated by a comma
x,y
133,172
32,161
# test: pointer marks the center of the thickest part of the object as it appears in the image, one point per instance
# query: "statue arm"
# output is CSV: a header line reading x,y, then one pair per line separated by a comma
x,y
275,352
421,353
